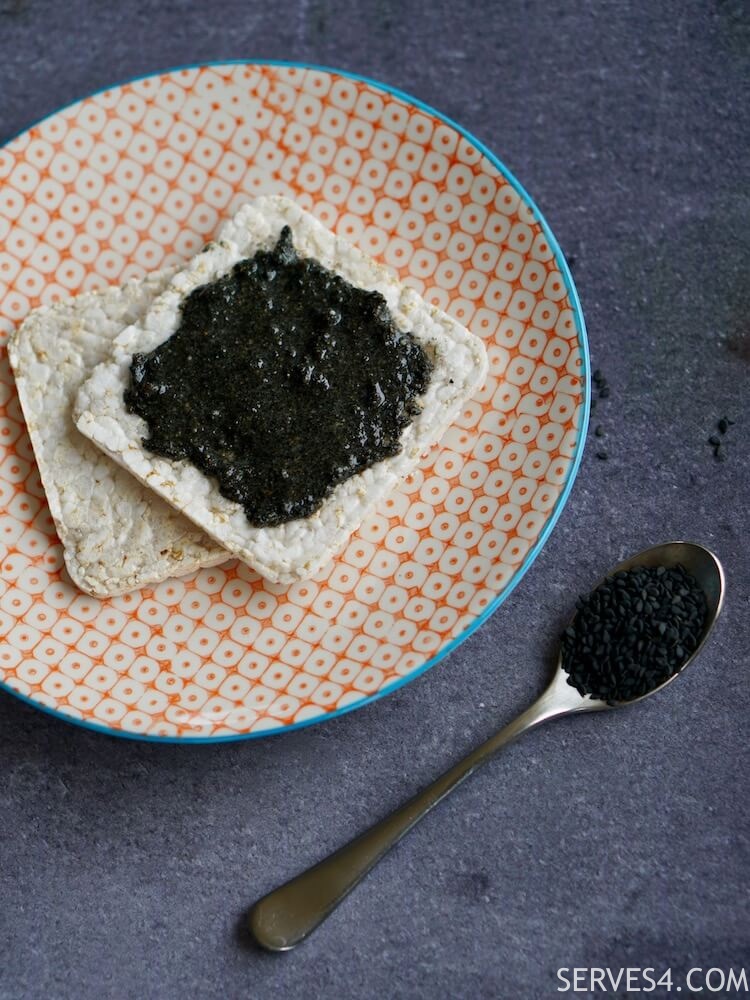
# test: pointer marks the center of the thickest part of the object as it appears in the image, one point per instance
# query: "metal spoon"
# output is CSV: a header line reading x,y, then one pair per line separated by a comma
x,y
288,914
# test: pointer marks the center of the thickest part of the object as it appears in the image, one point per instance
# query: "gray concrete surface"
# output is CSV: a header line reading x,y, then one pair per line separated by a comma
x,y
610,841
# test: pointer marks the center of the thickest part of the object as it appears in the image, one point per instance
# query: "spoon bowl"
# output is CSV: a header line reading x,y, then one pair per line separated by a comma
x,y
707,572
287,915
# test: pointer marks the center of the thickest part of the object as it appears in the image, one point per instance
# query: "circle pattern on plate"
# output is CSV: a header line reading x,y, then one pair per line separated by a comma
x,y
140,177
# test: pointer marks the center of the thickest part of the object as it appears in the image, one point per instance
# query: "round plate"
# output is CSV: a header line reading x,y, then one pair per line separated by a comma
x,y
141,176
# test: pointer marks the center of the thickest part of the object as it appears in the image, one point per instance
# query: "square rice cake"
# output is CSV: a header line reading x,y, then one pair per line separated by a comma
x,y
117,535
297,549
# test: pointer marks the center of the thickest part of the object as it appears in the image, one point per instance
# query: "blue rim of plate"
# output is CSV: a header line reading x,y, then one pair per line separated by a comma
x,y
556,510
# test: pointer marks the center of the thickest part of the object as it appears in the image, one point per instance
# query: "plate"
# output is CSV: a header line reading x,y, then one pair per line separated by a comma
x,y
139,177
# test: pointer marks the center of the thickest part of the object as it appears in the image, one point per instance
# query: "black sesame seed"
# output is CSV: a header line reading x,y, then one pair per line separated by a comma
x,y
598,430
714,440
597,376
621,645
604,392
723,425
602,455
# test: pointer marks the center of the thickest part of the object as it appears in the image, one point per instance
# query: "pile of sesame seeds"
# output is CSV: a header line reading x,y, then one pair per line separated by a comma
x,y
633,632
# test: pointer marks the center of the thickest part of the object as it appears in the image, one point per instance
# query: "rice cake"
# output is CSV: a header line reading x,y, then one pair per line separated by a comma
x,y
117,535
296,549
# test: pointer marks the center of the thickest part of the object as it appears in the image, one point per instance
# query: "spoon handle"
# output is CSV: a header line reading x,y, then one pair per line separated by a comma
x,y
286,916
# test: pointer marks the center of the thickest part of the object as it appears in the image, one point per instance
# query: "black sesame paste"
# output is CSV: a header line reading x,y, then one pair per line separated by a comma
x,y
281,381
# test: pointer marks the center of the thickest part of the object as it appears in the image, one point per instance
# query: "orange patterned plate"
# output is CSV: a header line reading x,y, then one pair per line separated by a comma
x,y
141,176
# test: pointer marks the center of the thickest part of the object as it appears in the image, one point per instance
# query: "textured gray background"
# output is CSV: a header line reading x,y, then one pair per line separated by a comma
x,y
618,840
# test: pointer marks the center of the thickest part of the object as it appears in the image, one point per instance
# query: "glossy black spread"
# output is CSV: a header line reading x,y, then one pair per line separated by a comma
x,y
281,381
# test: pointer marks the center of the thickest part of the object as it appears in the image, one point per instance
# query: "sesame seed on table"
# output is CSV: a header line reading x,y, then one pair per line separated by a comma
x,y
615,840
